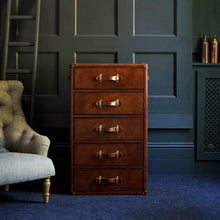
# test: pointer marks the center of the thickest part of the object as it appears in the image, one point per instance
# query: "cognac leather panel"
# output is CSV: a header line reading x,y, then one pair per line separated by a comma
x,y
106,154
88,129
86,180
106,103
108,129
88,78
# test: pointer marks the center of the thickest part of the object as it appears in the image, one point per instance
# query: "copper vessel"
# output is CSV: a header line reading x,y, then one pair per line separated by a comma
x,y
205,50
214,50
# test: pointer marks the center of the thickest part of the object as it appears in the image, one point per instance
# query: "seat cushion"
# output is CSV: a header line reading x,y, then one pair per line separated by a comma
x,y
2,149
22,167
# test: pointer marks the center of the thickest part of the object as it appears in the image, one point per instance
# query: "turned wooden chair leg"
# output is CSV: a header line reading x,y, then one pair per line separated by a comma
x,y
7,188
46,189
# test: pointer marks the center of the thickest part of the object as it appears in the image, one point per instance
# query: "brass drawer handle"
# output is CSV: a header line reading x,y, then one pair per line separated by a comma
x,y
100,78
102,180
100,103
101,130
101,155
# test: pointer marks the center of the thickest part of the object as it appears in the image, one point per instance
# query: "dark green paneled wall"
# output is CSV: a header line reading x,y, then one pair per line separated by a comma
x,y
156,32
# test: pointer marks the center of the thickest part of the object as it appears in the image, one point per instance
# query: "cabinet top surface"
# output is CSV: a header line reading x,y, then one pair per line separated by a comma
x,y
130,65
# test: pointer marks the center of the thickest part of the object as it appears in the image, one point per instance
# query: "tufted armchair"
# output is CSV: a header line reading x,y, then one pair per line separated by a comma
x,y
26,158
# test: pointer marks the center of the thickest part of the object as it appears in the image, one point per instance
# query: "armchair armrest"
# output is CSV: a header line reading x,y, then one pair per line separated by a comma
x,y
38,144
24,139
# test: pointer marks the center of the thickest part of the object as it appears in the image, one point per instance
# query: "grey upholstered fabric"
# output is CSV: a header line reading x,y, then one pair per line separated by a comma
x,y
15,133
2,149
22,167
27,159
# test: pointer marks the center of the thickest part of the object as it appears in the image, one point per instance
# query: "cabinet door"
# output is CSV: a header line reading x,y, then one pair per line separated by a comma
x,y
208,115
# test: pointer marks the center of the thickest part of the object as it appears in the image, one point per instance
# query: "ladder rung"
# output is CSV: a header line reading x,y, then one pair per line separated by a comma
x,y
17,43
22,17
19,71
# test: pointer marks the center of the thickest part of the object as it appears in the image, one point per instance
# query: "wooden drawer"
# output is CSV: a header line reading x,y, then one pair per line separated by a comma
x,y
88,129
88,78
109,154
130,180
108,129
108,103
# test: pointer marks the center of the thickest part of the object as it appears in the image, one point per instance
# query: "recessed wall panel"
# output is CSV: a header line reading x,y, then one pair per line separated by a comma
x,y
156,18
96,17
49,23
162,72
49,17
47,73
95,57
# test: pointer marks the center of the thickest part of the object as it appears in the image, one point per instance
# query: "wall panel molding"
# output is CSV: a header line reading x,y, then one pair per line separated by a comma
x,y
160,66
45,71
170,121
49,25
94,57
115,31
161,12
96,18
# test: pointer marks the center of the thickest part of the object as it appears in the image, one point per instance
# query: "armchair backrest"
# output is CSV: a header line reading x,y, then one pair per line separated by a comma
x,y
15,133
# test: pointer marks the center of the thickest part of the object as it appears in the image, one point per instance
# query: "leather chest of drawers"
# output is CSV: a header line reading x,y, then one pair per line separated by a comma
x,y
108,128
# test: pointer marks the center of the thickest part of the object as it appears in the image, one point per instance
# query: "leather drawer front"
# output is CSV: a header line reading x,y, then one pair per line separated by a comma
x,y
130,129
88,154
132,78
130,103
85,180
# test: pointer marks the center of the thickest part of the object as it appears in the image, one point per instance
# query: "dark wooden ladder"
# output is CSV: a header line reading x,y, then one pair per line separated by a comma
x,y
7,43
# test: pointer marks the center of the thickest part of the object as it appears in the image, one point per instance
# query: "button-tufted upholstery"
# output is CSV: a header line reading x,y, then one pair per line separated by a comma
x,y
30,161
15,133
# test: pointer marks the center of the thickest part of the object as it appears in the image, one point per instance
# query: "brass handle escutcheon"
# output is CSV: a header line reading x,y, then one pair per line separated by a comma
x,y
116,78
100,103
102,180
101,130
115,155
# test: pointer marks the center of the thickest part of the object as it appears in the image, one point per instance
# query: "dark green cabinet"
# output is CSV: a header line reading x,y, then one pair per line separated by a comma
x,y
208,114
206,19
